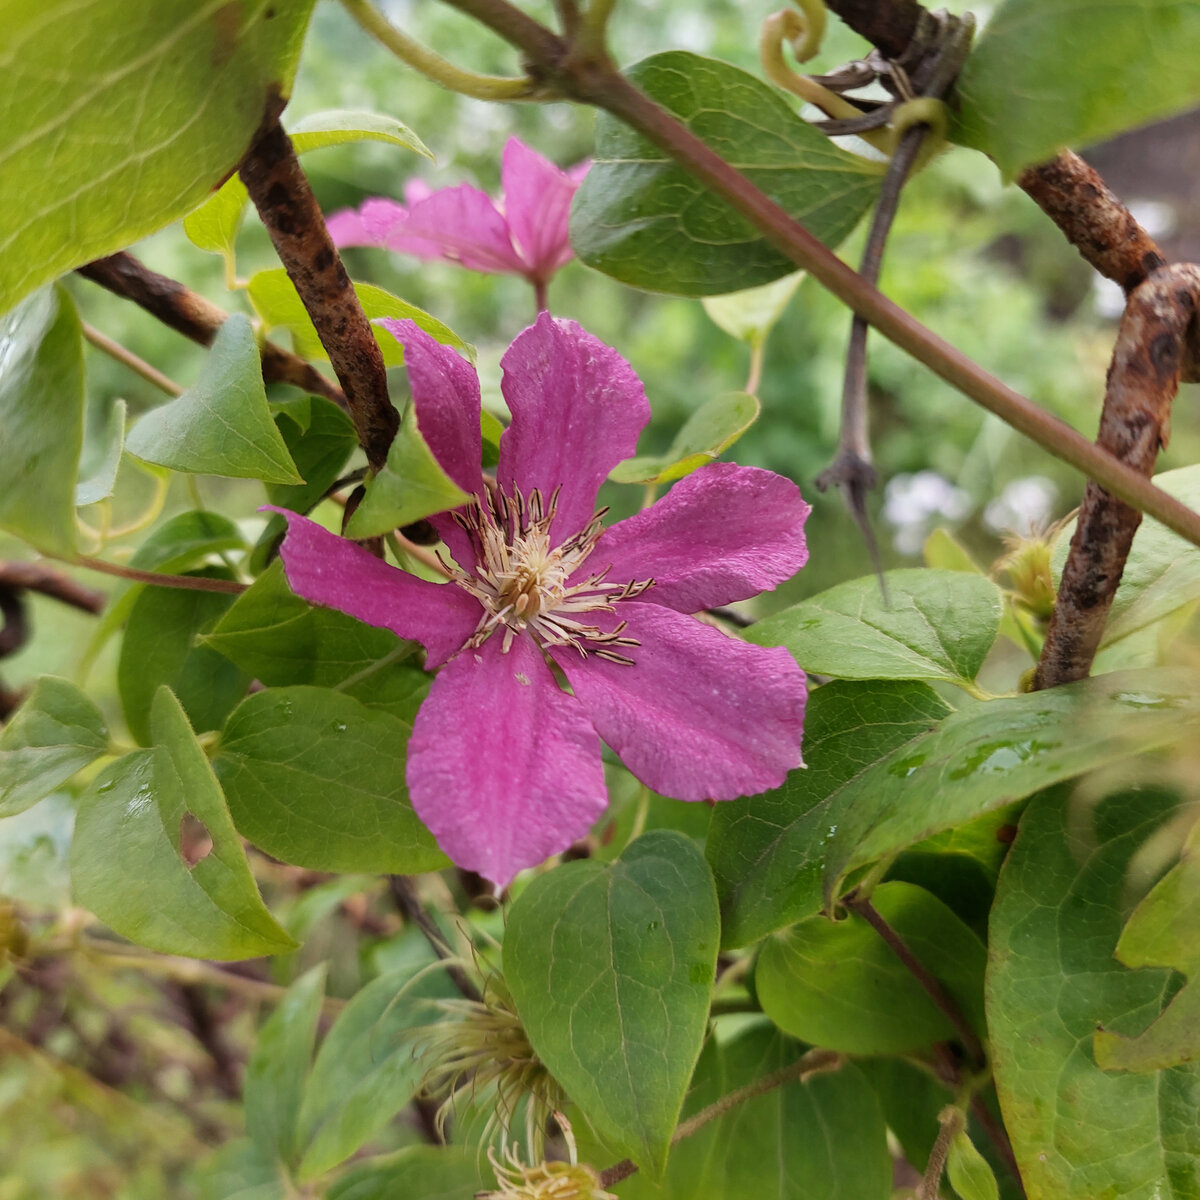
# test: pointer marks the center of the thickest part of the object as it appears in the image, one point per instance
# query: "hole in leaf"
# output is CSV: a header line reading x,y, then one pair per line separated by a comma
x,y
195,842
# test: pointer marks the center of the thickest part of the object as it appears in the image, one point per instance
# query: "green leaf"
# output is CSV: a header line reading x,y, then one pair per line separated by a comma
x,y
102,478
706,435
611,969
366,1069
878,785
56,732
838,984
320,451
280,307
222,425
1022,99
41,412
943,551
411,485
968,1171
162,645
935,625
750,315
238,1171
33,855
278,1068
316,778
1162,933
643,219
117,119
820,1140
126,861
427,1172
214,225
1079,1132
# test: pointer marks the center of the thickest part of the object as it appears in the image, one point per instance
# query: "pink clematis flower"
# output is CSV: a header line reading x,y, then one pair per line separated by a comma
x,y
525,235
503,764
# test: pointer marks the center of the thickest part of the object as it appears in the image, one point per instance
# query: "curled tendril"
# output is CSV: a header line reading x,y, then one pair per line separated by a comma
x,y
921,110
807,42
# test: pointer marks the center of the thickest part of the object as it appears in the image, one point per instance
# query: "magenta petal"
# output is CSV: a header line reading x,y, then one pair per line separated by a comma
x,y
503,766
699,715
460,224
721,534
346,228
445,392
577,409
371,225
328,570
537,205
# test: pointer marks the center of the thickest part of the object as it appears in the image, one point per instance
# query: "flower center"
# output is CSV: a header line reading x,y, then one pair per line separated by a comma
x,y
523,583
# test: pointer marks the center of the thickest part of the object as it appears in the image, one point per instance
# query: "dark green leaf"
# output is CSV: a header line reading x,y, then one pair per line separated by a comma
x,y
611,968
646,221
320,451
102,478
316,778
839,984
41,411
935,625
1079,1132
56,732
126,860
116,119
222,425
424,1172
1053,73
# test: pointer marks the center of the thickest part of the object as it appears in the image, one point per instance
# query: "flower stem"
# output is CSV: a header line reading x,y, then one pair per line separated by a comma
x,y
138,365
195,583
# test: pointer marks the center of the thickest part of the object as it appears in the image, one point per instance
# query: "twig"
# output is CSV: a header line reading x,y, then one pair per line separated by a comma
x,y
127,357
289,210
1135,422
14,633
408,904
36,577
198,318
195,583
951,1122
933,987
814,1062
597,82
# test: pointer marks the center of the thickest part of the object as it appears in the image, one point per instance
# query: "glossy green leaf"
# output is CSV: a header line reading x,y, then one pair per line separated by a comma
x,y
643,219
41,415
162,645
934,625
126,861
968,1171
319,450
366,1069
411,485
706,435
280,307
1163,933
838,984
1052,73
427,1172
611,968
1079,1132
750,315
279,1066
56,732
222,425
116,119
316,778
820,1140
890,766
214,225
102,477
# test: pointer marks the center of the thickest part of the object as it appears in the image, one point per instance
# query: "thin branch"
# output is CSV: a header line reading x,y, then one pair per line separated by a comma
x,y
198,318
127,357
1135,422
289,210
194,583
408,904
598,83
933,987
37,577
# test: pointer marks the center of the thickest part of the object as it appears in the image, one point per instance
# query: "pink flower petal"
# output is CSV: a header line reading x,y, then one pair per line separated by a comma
x,y
445,392
346,228
577,409
371,225
328,570
537,205
503,766
699,715
460,224
721,534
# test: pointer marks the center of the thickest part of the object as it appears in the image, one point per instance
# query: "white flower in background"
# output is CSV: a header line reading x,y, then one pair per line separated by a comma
x,y
1023,507
914,504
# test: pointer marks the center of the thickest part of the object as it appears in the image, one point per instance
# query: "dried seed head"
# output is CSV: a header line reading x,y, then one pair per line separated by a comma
x,y
543,1181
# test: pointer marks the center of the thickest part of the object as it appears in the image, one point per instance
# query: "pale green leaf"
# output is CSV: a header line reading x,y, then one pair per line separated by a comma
x,y
34,846
102,478
41,413
750,315
968,1171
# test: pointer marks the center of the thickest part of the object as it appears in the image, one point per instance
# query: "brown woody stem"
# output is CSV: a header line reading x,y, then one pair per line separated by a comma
x,y
193,583
36,577
289,210
1142,382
